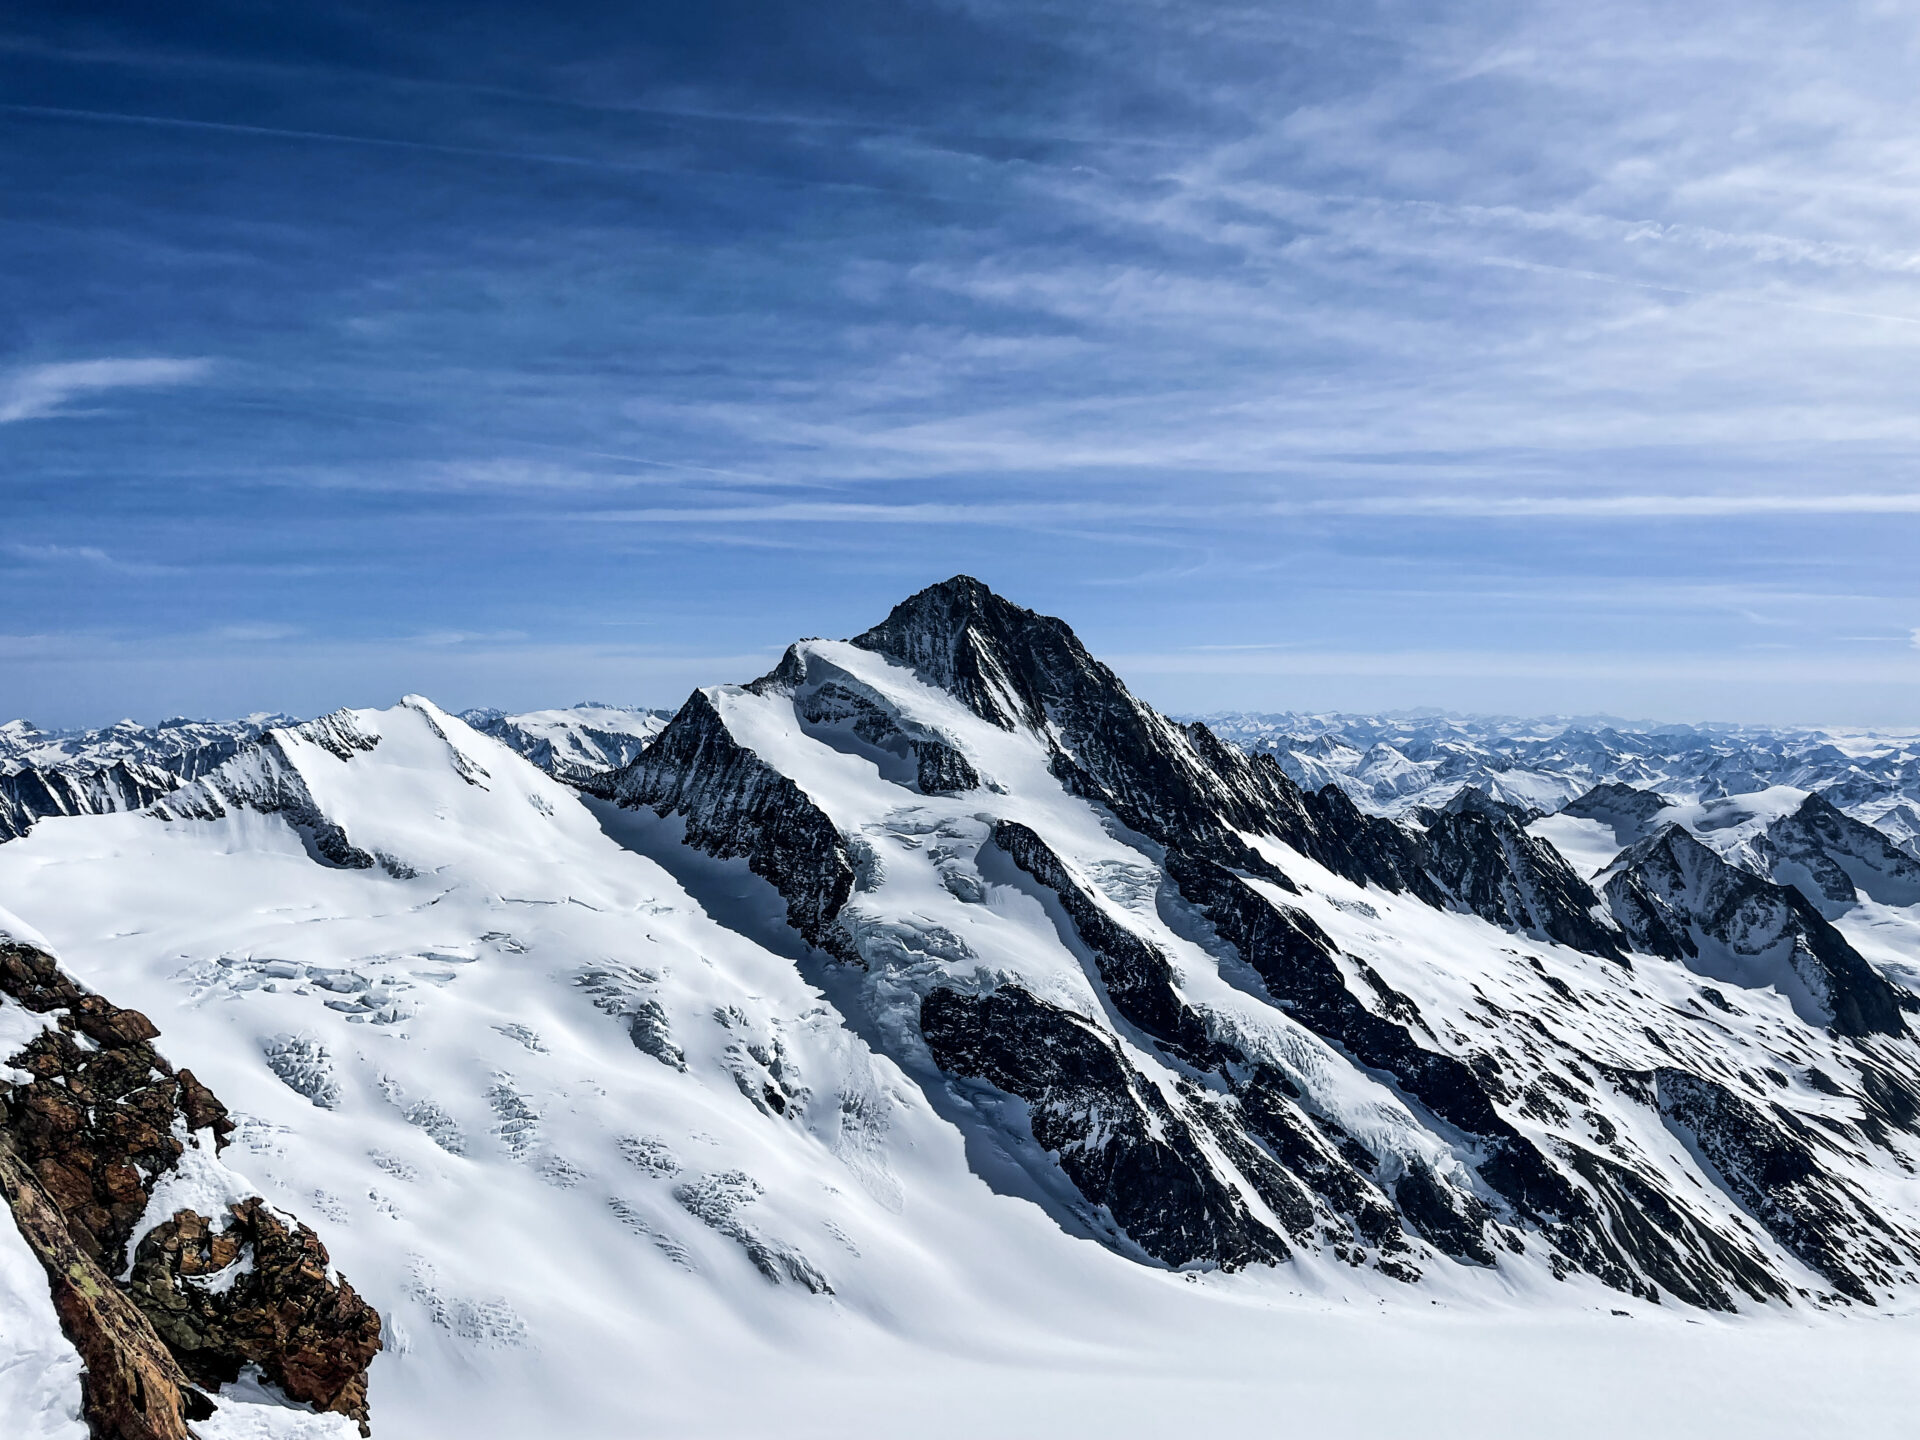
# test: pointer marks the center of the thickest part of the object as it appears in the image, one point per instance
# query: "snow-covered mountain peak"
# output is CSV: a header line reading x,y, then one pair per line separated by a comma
x,y
934,985
913,804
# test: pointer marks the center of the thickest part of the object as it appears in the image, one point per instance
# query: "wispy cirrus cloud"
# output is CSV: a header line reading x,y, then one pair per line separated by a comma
x,y
36,392
1456,331
86,556
1618,507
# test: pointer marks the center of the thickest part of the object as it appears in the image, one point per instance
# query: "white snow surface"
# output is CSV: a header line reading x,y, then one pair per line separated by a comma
x,y
39,1370
431,1061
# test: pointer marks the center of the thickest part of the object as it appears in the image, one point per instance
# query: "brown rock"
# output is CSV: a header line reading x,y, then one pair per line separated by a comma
x,y
69,1188
107,1024
310,1336
132,1389
204,1110
32,978
80,1148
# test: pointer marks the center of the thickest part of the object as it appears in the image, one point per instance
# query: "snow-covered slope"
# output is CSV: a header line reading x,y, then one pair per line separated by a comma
x,y
930,1034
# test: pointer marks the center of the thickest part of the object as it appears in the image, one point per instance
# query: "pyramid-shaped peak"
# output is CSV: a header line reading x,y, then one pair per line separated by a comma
x,y
947,610
1004,661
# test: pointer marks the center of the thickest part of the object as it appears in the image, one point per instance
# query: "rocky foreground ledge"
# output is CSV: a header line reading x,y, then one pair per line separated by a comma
x,y
164,1308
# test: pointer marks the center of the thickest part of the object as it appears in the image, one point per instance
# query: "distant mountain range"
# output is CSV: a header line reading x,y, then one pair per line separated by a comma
x,y
1391,765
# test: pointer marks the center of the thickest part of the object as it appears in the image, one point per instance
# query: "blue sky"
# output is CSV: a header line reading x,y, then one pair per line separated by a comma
x,y
1502,356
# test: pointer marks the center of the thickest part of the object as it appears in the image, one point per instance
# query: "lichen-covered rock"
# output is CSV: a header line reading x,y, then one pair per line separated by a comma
x,y
97,1125
83,1144
257,1293
132,1387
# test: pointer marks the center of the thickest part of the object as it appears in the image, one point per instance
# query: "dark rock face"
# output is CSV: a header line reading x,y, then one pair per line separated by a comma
x,y
735,805
1296,961
1781,1184
1690,1261
29,795
1675,897
1165,1116
836,707
1454,1225
1013,667
268,780
1490,866
85,1141
1833,859
308,1335
1272,1142
1183,788
1329,1166
939,769
1116,1138
1629,812
1137,977
89,784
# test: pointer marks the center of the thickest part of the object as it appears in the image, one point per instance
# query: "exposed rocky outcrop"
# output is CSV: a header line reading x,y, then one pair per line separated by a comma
x,y
1780,1182
1185,789
1116,1137
1210,1140
1491,867
268,777
1277,1147
1676,897
97,1124
1137,978
1833,859
1015,668
837,708
98,1121
736,805
132,1387
32,794
1296,961
256,1293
